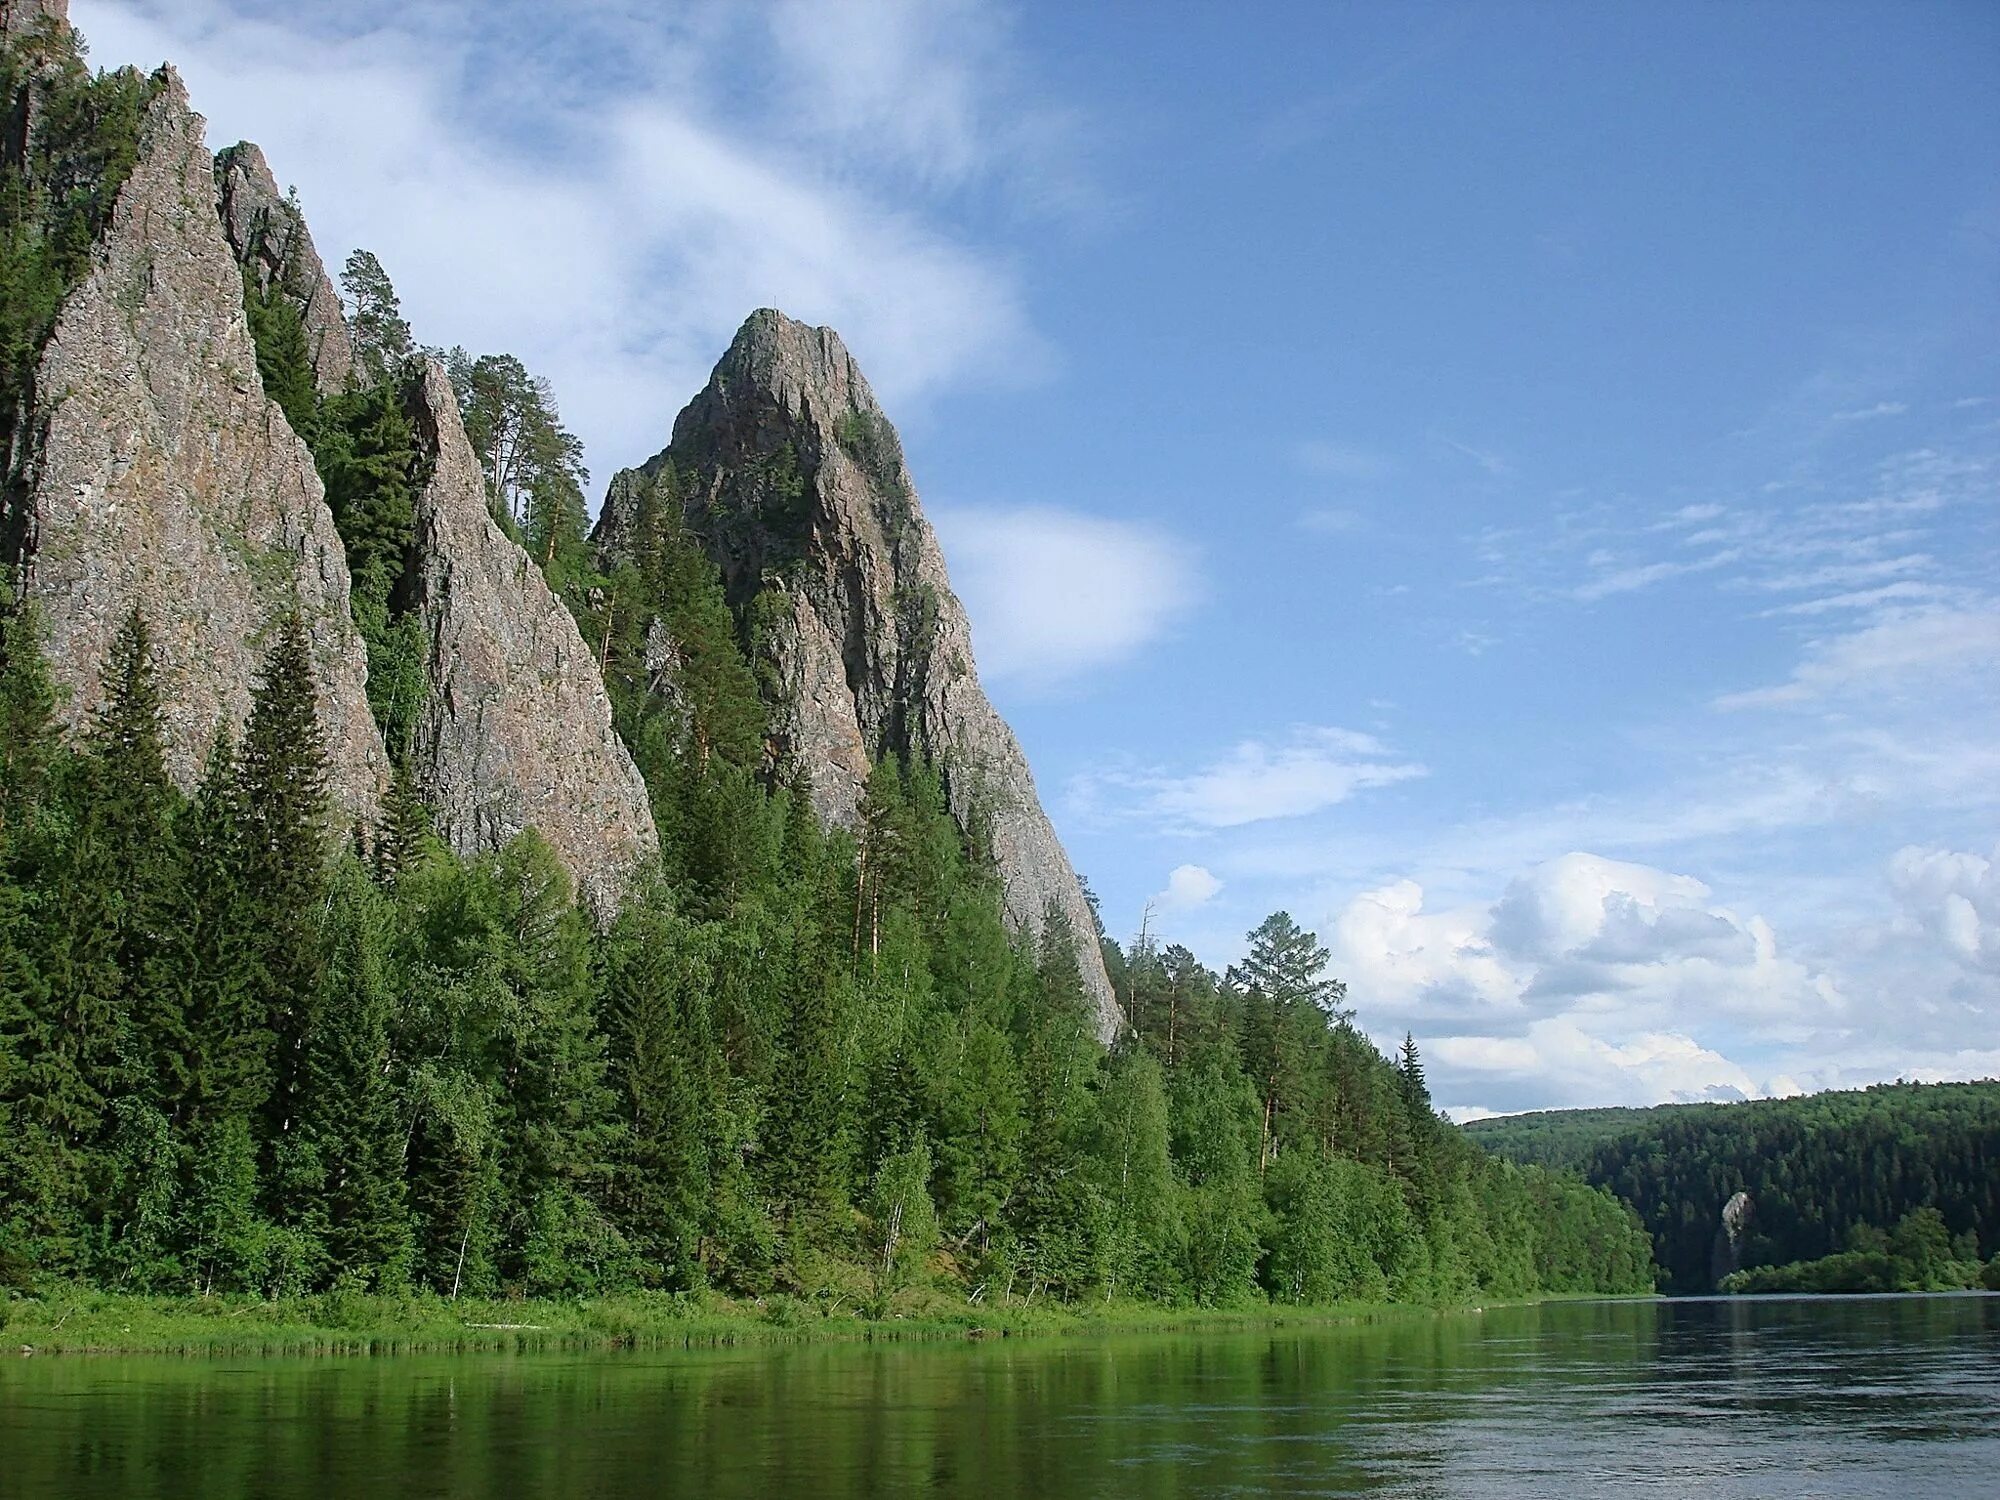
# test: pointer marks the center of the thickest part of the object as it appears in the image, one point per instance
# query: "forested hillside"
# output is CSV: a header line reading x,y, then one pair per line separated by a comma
x,y
259,1037
1817,1169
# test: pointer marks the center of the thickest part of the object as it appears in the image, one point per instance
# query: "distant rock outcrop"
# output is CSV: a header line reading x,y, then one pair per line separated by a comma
x,y
516,731
158,475
1731,1229
268,234
795,481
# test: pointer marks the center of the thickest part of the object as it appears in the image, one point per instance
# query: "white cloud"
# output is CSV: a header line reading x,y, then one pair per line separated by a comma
x,y
1652,1067
1589,980
1188,886
1313,769
611,219
1954,898
1896,653
1054,595
1869,413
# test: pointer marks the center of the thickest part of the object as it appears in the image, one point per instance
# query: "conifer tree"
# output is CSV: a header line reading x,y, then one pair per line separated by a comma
x,y
29,742
382,341
283,844
284,354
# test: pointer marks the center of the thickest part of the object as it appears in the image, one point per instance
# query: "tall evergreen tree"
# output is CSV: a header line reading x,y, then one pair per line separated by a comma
x,y
382,341
283,845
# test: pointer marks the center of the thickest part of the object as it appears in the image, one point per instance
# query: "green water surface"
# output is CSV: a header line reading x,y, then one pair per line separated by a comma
x,y
1894,1396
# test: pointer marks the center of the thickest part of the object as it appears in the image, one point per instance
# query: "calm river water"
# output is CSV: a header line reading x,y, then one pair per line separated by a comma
x,y
1893,1396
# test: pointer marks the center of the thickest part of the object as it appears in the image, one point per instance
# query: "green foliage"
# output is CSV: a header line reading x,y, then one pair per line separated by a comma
x,y
1919,1255
1814,1168
533,464
382,342
801,1066
284,355
56,198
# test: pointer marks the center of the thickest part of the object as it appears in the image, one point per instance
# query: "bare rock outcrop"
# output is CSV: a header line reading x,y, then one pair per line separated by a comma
x,y
160,476
269,236
794,481
24,17
517,730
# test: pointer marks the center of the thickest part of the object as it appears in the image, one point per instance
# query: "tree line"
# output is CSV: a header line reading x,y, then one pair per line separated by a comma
x,y
1818,1170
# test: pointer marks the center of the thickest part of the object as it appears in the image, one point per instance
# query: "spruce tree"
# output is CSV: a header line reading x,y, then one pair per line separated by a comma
x,y
29,741
283,843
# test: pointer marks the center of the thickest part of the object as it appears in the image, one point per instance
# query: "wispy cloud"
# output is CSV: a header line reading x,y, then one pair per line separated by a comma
x,y
629,201
1870,413
1308,771
1492,462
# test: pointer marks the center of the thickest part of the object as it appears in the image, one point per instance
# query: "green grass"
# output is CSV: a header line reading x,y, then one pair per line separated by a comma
x,y
85,1321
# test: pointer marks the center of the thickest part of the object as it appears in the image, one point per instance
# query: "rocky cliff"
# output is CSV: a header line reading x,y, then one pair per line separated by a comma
x,y
794,481
516,731
268,234
157,475
22,17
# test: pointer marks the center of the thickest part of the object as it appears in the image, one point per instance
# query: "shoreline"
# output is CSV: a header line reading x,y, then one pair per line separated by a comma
x,y
110,1323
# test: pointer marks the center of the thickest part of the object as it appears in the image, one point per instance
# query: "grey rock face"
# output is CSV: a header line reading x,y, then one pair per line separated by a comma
x,y
517,730
269,236
163,478
795,481
22,17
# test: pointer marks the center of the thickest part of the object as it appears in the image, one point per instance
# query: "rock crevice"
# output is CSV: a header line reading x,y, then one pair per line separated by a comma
x,y
516,731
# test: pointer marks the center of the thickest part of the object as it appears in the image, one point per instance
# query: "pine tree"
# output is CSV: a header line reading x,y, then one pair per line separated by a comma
x,y
667,1076
382,341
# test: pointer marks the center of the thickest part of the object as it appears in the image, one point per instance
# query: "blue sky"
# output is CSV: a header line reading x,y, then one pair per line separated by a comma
x,y
1514,485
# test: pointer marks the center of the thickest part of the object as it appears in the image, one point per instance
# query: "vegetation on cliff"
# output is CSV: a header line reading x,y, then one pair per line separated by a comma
x,y
797,1064
250,1046
72,137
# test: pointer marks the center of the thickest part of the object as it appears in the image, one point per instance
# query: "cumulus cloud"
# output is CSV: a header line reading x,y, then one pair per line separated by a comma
x,y
1588,980
611,212
1054,595
1310,770
1954,898
1653,1067
1188,886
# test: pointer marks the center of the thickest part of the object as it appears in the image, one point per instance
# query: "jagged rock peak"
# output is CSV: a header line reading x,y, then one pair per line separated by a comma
x,y
516,730
795,483
269,236
158,475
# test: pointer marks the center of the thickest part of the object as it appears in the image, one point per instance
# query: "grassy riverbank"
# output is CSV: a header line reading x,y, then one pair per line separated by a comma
x,y
85,1321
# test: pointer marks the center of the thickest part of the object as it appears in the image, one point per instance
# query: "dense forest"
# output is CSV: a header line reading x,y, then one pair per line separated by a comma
x,y
245,1048
1819,1171
1919,1255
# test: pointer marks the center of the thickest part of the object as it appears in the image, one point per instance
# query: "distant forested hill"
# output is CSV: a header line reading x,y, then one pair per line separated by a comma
x,y
1815,1168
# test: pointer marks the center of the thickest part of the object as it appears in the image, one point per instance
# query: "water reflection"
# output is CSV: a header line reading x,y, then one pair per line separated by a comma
x,y
1840,1398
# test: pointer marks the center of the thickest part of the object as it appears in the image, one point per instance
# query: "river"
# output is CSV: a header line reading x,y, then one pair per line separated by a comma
x,y
1889,1396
